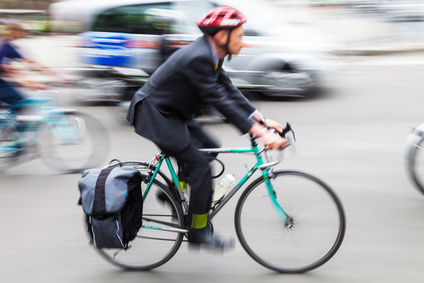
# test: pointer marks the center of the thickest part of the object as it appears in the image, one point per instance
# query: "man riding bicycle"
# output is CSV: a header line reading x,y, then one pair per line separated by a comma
x,y
192,77
9,53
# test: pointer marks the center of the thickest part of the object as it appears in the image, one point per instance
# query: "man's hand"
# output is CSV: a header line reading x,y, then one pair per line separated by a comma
x,y
269,123
59,77
273,125
274,141
33,85
269,139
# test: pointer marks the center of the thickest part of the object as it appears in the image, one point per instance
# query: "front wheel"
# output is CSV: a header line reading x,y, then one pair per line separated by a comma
x,y
310,235
416,161
72,142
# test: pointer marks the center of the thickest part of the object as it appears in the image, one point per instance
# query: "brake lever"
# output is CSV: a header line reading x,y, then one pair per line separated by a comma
x,y
287,129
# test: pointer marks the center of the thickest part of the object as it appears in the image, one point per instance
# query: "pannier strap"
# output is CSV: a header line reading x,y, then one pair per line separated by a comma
x,y
99,203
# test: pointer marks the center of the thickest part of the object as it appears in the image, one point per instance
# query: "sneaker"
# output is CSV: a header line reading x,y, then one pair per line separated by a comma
x,y
205,238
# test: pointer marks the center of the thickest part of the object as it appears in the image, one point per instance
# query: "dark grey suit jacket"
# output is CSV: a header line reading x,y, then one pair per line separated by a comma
x,y
179,88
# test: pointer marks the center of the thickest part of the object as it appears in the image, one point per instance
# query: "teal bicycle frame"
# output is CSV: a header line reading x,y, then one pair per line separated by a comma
x,y
260,165
29,126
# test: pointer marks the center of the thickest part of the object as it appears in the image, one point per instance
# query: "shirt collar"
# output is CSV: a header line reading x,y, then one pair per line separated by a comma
x,y
214,55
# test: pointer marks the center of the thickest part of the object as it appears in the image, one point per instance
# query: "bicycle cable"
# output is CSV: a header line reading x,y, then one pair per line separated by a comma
x,y
222,168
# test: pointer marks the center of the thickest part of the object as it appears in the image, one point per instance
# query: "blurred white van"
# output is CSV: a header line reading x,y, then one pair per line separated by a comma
x,y
123,42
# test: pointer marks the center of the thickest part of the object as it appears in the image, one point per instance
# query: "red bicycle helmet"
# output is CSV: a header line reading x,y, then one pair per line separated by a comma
x,y
222,17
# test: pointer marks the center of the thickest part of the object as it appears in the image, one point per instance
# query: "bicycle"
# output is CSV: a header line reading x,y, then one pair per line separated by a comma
x,y
415,156
302,218
66,140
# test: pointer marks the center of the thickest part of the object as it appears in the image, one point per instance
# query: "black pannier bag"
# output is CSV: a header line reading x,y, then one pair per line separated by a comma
x,y
112,201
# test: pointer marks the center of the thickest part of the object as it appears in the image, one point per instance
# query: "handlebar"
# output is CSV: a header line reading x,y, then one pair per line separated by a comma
x,y
292,141
287,129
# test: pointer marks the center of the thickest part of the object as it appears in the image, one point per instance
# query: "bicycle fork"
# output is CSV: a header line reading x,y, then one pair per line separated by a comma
x,y
288,221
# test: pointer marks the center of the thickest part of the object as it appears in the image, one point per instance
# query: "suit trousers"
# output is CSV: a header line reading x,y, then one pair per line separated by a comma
x,y
194,163
197,168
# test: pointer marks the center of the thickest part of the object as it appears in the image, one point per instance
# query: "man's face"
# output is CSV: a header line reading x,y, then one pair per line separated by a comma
x,y
236,40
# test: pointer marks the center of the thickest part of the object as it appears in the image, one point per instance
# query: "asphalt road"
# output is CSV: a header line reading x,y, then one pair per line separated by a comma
x,y
352,137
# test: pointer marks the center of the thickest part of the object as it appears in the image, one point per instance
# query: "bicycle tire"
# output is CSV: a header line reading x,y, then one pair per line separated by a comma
x,y
317,214
151,248
85,151
8,159
416,163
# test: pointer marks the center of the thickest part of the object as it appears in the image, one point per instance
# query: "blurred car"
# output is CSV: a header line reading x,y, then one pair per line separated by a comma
x,y
367,6
127,40
404,11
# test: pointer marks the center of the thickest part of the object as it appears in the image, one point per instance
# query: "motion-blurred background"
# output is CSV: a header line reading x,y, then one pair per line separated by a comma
x,y
348,76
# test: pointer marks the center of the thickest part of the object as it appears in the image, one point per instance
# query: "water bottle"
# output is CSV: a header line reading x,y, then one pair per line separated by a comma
x,y
222,188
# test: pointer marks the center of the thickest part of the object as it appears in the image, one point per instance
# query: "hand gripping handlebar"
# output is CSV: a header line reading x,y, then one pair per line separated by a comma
x,y
292,139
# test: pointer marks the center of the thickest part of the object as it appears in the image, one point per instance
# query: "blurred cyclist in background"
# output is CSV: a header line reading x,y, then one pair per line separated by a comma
x,y
10,53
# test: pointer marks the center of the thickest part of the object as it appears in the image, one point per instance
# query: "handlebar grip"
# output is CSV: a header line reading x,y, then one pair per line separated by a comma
x,y
287,129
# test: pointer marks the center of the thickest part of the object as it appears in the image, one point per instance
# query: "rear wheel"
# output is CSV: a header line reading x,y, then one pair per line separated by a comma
x,y
160,236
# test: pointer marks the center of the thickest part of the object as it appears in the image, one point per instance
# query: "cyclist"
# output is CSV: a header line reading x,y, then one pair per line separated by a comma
x,y
189,79
8,53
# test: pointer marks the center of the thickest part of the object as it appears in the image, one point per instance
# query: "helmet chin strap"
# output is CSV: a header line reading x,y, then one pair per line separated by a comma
x,y
227,45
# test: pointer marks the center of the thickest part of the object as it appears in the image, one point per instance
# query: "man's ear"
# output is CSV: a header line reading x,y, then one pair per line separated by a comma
x,y
222,37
